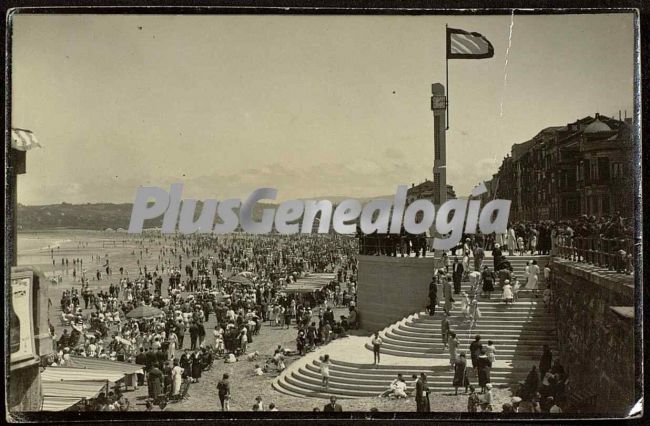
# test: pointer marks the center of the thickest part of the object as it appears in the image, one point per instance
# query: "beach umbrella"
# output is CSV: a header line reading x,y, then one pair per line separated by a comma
x,y
246,274
240,280
144,312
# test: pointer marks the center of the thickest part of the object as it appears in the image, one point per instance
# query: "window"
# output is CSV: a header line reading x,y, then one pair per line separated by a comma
x,y
617,170
603,168
594,171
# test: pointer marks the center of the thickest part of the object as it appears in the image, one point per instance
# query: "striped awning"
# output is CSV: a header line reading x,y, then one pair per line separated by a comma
x,y
63,374
23,140
57,403
74,389
104,364
310,283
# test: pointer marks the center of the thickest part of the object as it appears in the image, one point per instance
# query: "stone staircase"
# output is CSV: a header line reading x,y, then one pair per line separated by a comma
x,y
518,331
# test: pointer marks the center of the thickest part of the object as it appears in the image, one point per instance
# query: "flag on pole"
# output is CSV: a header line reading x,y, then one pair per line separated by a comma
x,y
23,140
465,45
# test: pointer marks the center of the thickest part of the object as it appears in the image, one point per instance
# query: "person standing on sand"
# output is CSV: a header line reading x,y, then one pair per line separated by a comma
x,y
223,388
333,406
376,347
423,405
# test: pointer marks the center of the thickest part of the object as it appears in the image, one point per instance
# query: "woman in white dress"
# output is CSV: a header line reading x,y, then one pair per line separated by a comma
x,y
511,241
474,311
325,371
453,347
464,305
491,351
177,375
173,344
218,339
533,277
521,246
508,294
533,244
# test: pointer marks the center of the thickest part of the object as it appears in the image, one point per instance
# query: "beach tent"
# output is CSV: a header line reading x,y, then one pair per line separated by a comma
x,y
59,396
144,312
127,369
104,364
67,374
240,280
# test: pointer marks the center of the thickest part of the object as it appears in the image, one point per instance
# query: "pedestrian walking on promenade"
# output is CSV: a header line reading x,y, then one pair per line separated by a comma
x,y
446,291
376,347
223,388
444,329
325,370
461,378
453,348
423,404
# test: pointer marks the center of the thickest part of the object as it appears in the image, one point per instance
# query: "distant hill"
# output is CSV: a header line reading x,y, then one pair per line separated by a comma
x,y
98,216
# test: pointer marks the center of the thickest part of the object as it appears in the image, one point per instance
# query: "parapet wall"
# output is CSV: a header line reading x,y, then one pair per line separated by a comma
x,y
391,288
594,312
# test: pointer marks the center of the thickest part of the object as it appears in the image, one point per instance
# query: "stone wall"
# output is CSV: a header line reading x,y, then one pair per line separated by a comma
x,y
595,321
391,288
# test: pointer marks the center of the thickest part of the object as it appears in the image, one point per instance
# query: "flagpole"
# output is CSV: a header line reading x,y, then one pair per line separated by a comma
x,y
447,73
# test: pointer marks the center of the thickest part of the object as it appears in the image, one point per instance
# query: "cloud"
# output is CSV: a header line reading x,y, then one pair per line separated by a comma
x,y
393,153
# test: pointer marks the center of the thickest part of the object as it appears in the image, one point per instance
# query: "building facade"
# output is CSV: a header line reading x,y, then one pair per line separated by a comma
x,y
427,190
583,168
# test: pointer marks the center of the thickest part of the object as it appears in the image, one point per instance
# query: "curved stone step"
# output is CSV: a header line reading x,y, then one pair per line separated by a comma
x,y
501,345
352,377
532,356
340,366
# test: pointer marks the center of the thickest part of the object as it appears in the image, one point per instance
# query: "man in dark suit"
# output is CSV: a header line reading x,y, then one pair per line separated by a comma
x,y
150,359
459,269
328,316
422,394
333,406
194,335
141,359
180,332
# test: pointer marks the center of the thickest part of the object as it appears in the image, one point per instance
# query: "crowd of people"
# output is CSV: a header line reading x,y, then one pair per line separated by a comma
x,y
181,282
605,240
241,282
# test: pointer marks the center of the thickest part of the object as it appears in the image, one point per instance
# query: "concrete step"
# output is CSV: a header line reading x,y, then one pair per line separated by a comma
x,y
315,385
502,352
288,388
532,356
501,344
383,383
382,369
512,341
480,329
497,325
518,331
406,372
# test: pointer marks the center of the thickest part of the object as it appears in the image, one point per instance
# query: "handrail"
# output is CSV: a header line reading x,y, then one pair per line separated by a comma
x,y
614,254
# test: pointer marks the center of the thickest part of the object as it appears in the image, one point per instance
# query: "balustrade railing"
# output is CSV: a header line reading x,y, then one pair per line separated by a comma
x,y
614,254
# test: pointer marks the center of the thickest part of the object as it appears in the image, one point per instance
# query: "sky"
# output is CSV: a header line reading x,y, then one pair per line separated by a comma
x,y
314,106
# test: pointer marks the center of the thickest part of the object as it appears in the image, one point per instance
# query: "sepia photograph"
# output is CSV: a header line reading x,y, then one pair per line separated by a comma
x,y
259,214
